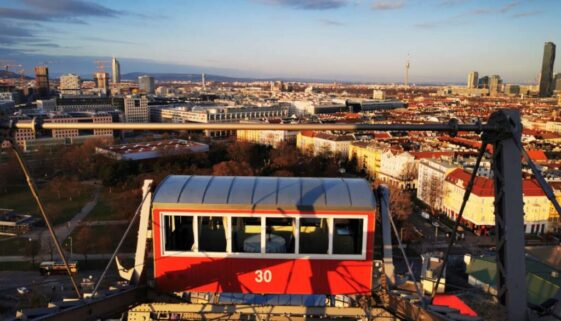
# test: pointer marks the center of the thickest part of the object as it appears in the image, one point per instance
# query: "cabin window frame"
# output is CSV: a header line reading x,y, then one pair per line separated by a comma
x,y
262,255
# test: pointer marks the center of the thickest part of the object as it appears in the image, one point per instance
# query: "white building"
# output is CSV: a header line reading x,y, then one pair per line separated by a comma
x,y
398,169
318,143
430,181
136,109
70,84
378,94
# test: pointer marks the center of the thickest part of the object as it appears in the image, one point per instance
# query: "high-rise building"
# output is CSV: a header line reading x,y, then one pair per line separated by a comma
x,y
473,77
546,79
70,84
42,81
557,82
146,84
101,80
136,109
116,71
495,84
483,82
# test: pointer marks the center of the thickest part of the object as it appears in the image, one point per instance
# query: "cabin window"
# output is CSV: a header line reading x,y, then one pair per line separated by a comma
x,y
347,236
314,236
280,236
246,234
212,233
178,232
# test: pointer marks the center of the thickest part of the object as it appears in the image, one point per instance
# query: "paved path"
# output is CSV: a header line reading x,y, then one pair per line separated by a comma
x,y
62,231
103,223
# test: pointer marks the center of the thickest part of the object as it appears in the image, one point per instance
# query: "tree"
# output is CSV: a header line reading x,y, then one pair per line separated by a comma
x,y
285,157
401,203
232,168
253,154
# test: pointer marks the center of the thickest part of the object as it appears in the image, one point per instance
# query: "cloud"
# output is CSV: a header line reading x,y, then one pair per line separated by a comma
x,y
451,2
387,4
498,10
93,38
460,19
60,10
329,22
309,4
72,7
527,14
45,45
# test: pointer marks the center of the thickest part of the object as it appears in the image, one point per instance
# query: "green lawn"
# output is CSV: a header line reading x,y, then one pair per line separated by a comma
x,y
114,205
17,246
58,209
104,209
21,201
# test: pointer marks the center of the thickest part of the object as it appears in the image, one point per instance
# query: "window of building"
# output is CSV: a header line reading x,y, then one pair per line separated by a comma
x,y
212,233
178,233
347,236
281,235
314,236
246,234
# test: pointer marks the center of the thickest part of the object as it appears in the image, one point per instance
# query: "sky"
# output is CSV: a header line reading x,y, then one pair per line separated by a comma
x,y
335,40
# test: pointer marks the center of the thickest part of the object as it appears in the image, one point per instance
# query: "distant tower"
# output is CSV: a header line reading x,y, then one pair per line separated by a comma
x,y
495,85
407,65
473,78
203,81
116,71
546,80
42,81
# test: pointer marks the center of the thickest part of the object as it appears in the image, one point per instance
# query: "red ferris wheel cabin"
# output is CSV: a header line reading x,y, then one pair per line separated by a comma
x,y
263,235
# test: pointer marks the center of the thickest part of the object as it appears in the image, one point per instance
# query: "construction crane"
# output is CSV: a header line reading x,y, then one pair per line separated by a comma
x,y
21,73
101,65
7,67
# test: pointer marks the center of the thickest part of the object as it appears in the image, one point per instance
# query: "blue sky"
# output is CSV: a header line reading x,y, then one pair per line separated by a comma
x,y
356,40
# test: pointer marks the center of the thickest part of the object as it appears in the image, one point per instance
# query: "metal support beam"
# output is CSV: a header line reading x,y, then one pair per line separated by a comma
x,y
383,200
192,311
108,306
452,127
142,232
509,213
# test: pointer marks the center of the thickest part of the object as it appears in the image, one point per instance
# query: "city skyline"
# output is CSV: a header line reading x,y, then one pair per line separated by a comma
x,y
311,39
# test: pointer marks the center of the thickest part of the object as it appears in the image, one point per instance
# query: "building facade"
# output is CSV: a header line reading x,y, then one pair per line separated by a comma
x,y
146,84
319,143
136,109
368,157
42,82
473,78
398,169
115,71
430,181
479,213
546,78
70,84
102,81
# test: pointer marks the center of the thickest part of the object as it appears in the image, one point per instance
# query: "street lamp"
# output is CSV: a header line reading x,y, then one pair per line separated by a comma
x,y
32,251
70,239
